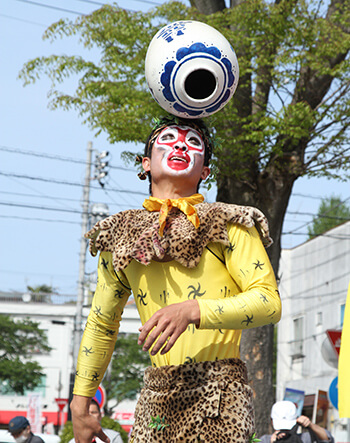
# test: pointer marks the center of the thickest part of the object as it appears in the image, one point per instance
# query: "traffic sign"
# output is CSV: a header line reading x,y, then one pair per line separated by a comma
x,y
334,336
100,396
333,392
61,402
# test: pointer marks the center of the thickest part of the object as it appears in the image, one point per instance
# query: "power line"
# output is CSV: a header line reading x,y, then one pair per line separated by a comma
x,y
49,197
46,208
56,157
11,217
43,5
318,216
336,237
61,182
23,20
30,2
314,197
139,1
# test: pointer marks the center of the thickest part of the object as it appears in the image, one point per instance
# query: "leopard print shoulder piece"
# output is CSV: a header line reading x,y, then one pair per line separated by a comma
x,y
134,234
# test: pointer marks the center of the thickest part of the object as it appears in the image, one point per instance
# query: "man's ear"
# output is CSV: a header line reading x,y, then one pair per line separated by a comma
x,y
146,164
205,172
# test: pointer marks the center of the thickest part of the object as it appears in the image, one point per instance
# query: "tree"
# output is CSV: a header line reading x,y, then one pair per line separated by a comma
x,y
331,213
125,378
289,117
41,293
18,340
41,289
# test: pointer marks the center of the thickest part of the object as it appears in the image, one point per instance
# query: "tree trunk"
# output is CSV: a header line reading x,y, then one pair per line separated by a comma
x,y
208,6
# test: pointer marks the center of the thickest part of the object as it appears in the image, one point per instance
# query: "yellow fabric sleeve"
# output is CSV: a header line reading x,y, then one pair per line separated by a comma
x,y
100,334
344,364
259,302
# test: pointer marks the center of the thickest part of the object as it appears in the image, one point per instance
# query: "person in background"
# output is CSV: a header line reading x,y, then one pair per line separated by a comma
x,y
95,411
284,417
19,428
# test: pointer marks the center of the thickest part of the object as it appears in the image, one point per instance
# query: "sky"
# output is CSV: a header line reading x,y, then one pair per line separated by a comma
x,y
43,154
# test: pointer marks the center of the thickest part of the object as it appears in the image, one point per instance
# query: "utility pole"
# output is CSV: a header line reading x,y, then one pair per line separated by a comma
x,y
99,174
82,255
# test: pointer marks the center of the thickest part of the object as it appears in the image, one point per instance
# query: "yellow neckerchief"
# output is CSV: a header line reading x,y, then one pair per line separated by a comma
x,y
164,206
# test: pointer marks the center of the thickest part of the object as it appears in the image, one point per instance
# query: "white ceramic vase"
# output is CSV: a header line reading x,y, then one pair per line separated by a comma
x,y
191,69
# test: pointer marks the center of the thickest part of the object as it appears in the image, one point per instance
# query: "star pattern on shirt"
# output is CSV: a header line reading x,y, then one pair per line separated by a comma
x,y
104,263
119,293
87,351
98,310
263,298
231,247
195,292
258,264
95,376
248,320
189,360
219,309
141,296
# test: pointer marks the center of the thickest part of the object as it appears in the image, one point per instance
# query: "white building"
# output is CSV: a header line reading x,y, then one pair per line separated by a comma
x,y
314,278
57,319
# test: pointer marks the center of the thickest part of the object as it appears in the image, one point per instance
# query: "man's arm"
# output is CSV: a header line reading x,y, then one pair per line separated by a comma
x,y
258,303
97,345
320,432
85,426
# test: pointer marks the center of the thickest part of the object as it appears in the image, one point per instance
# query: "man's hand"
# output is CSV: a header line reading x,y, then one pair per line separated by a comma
x,y
304,421
318,430
85,426
277,435
168,324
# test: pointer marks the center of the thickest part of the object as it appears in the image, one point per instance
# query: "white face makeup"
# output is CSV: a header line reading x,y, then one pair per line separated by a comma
x,y
180,145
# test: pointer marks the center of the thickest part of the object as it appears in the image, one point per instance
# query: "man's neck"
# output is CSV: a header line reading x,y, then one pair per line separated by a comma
x,y
164,192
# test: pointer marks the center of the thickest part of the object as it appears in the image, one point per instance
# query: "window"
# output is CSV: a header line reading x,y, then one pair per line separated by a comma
x,y
342,311
298,331
319,319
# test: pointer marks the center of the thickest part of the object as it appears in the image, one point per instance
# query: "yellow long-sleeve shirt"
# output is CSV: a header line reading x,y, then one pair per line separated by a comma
x,y
234,285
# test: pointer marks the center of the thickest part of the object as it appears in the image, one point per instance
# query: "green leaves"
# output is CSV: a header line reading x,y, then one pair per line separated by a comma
x,y
331,213
158,423
254,439
18,341
290,53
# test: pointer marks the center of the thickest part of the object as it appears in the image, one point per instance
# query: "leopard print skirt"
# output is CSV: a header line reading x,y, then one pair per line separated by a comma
x,y
201,402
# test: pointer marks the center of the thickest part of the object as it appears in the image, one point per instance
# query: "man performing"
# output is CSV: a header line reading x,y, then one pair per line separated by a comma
x,y
199,274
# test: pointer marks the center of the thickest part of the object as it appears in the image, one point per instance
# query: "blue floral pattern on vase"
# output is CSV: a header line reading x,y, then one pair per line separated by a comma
x,y
196,50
